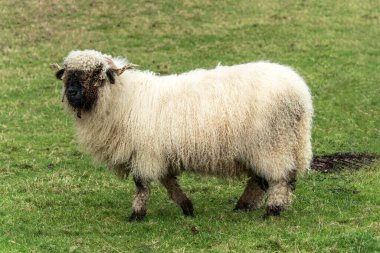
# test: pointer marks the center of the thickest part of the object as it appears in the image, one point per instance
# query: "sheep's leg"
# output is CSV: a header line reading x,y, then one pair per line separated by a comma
x,y
140,200
176,194
253,194
280,195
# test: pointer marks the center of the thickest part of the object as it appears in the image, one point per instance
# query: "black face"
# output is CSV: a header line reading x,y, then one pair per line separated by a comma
x,y
82,87
74,90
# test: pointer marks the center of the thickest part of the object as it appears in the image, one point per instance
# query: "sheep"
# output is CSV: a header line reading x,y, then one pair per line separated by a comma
x,y
251,119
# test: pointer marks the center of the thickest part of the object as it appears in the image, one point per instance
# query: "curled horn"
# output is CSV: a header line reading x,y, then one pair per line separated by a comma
x,y
119,71
60,71
128,66
55,66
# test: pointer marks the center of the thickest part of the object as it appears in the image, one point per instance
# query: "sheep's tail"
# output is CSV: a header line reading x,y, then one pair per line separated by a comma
x,y
338,161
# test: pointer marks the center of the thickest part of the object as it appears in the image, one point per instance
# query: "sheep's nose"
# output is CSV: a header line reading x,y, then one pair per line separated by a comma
x,y
72,92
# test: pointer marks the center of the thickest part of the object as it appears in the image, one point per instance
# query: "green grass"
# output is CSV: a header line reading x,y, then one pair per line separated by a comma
x,y
54,199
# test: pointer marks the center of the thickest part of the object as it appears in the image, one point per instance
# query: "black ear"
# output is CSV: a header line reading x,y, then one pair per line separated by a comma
x,y
111,75
59,74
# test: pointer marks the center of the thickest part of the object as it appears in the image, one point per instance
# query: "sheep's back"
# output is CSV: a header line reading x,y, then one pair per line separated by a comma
x,y
207,119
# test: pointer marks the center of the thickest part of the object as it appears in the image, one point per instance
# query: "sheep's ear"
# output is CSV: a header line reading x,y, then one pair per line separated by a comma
x,y
110,75
60,71
59,74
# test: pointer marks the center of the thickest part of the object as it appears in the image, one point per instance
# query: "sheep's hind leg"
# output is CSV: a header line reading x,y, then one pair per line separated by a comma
x,y
253,194
140,200
280,195
176,194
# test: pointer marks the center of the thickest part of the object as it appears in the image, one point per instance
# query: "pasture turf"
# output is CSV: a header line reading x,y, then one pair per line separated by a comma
x,y
54,199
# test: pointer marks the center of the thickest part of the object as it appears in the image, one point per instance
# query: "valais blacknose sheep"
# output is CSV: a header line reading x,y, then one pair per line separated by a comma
x,y
253,118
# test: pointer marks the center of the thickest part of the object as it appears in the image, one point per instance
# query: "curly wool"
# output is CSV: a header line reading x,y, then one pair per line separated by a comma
x,y
84,60
225,121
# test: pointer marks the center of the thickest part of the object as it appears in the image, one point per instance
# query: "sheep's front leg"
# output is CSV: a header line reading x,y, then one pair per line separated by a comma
x,y
253,194
140,200
176,194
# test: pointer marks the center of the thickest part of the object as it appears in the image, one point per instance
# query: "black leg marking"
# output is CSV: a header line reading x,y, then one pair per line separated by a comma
x,y
253,194
177,195
262,182
273,211
140,200
292,180
187,208
139,183
136,216
241,205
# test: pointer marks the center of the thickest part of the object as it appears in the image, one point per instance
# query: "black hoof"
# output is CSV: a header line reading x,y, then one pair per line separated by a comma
x,y
273,211
242,206
136,216
187,208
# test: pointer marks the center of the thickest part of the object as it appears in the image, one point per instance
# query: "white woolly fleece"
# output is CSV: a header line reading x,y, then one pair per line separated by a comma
x,y
219,121
84,60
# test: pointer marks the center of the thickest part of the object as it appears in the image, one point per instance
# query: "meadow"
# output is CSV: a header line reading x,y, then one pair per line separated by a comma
x,y
53,198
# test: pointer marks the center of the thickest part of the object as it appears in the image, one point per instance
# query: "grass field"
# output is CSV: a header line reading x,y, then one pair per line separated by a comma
x,y
54,199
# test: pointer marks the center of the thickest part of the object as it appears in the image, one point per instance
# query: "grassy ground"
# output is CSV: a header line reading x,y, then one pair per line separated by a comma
x,y
54,199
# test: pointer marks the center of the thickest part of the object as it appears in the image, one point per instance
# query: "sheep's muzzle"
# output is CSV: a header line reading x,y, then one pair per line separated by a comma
x,y
81,89
74,91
